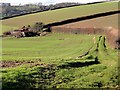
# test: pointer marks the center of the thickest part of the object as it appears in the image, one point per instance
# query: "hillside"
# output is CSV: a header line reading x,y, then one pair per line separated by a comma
x,y
61,14
62,60
101,22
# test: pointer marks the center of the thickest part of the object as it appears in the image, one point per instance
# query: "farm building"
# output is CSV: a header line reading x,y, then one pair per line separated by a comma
x,y
22,32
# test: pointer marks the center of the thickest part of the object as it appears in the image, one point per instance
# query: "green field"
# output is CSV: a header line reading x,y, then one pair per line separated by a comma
x,y
59,60
61,14
4,28
64,70
49,47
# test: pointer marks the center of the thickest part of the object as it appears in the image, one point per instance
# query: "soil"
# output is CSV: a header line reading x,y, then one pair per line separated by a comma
x,y
101,22
112,37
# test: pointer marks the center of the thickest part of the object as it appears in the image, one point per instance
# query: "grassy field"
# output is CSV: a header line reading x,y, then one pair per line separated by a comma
x,y
59,60
49,47
5,28
61,66
61,14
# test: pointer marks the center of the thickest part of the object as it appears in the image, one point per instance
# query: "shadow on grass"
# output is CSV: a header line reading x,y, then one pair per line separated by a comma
x,y
79,64
40,77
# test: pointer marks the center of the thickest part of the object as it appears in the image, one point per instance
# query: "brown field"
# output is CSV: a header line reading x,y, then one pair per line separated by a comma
x,y
101,22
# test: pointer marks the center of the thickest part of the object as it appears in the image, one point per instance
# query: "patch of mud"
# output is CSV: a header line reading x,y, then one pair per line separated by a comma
x,y
8,64
113,38
101,41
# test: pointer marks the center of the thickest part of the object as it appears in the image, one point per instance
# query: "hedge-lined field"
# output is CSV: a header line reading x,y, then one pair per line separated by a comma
x,y
61,14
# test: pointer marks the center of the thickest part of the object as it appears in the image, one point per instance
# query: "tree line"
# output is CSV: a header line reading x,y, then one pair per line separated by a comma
x,y
9,11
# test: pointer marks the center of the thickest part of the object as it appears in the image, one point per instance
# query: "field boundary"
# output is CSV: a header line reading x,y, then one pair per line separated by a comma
x,y
82,18
52,10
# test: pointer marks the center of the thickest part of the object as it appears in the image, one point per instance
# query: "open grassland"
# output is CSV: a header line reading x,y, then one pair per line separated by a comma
x,y
64,62
61,14
5,28
49,47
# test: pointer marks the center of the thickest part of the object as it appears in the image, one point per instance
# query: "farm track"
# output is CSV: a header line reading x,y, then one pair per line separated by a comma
x,y
103,43
99,44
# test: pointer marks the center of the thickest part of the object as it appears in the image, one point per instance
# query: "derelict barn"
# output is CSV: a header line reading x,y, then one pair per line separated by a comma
x,y
19,34
24,32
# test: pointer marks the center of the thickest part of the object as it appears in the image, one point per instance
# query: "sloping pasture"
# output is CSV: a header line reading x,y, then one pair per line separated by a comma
x,y
61,14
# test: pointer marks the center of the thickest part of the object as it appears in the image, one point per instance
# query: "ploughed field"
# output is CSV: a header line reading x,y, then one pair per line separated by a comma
x,y
59,61
101,22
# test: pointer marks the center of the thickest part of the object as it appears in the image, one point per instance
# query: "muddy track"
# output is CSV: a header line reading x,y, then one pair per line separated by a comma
x,y
104,43
100,43
97,48
87,52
